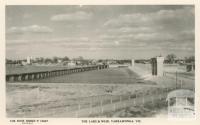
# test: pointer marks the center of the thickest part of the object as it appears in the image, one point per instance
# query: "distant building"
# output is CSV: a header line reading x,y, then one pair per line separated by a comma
x,y
24,63
72,63
157,66
28,60
59,60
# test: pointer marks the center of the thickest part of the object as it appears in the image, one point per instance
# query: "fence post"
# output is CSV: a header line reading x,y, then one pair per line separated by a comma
x,y
181,83
176,79
129,98
152,99
134,102
160,97
79,106
38,113
111,101
66,109
90,108
101,107
143,99
114,107
53,112
135,99
124,104
76,114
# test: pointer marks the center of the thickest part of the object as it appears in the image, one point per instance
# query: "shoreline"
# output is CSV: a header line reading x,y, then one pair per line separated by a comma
x,y
143,73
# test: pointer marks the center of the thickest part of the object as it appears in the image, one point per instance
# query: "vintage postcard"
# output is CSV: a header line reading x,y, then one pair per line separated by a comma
x,y
99,63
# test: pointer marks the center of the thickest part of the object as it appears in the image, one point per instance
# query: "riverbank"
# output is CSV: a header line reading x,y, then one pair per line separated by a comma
x,y
43,98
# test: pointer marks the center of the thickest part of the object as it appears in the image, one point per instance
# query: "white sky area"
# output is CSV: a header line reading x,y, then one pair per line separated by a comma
x,y
99,32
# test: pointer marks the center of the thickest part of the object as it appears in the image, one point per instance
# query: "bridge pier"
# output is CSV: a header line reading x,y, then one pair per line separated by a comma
x,y
19,78
46,74
11,78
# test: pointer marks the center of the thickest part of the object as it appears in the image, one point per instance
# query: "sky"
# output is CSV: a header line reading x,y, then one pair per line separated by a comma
x,y
99,31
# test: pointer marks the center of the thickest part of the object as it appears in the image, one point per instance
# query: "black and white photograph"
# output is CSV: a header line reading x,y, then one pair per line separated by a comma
x,y
100,61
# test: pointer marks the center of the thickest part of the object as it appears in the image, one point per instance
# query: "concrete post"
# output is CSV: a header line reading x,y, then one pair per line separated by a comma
x,y
132,62
28,60
160,61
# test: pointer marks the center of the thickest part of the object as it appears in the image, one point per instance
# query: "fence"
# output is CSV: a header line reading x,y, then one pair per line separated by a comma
x,y
100,105
181,81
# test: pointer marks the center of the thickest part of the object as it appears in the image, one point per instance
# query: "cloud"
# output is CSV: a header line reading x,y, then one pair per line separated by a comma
x,y
162,29
168,19
123,32
29,29
135,29
76,16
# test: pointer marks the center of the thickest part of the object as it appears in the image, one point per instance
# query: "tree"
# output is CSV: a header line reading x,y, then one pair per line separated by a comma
x,y
40,60
80,58
48,60
190,59
55,59
65,59
8,61
171,58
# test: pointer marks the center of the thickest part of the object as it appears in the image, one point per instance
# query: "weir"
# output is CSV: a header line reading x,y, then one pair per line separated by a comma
x,y
45,74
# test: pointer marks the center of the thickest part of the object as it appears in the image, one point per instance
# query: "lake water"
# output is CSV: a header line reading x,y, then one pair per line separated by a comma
x,y
111,76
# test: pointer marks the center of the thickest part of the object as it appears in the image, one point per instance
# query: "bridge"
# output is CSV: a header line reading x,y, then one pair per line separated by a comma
x,y
17,77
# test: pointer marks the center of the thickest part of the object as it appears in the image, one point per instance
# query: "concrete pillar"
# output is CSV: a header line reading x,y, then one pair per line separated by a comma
x,y
51,74
44,75
157,66
19,78
29,76
13,78
41,75
23,77
26,77
32,76
132,62
38,76
7,78
28,60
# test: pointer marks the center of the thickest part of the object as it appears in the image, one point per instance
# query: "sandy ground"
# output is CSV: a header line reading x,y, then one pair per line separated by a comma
x,y
26,98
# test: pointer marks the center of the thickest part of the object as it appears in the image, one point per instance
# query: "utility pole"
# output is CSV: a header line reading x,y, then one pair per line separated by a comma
x,y
176,79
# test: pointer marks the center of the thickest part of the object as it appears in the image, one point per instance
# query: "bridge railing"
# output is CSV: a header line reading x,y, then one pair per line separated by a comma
x,y
45,74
